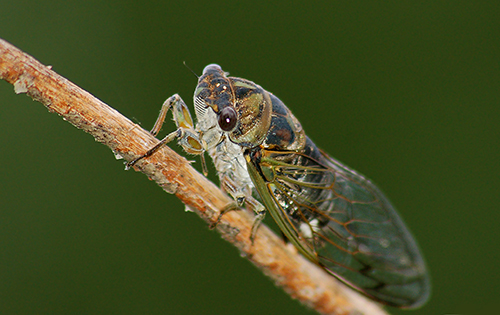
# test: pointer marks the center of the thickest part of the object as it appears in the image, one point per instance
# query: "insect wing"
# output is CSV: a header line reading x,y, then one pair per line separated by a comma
x,y
343,222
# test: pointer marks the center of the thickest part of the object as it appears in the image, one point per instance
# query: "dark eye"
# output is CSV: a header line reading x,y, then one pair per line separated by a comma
x,y
227,119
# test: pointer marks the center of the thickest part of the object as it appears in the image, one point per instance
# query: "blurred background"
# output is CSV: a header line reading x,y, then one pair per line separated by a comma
x,y
405,93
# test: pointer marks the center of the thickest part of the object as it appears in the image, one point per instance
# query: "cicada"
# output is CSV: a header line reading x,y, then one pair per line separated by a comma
x,y
336,217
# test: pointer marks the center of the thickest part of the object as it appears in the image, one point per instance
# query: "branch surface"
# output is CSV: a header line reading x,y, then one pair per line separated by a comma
x,y
299,277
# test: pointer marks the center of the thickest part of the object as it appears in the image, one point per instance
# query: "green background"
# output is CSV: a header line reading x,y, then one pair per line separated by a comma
x,y
405,92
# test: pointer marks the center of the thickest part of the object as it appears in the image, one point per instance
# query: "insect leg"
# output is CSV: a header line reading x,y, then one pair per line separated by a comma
x,y
229,186
180,111
257,207
230,207
243,195
260,214
164,141
188,137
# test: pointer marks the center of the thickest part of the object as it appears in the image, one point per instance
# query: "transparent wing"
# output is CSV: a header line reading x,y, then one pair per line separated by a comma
x,y
343,222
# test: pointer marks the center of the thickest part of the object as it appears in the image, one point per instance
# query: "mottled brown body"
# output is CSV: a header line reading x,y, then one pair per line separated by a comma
x,y
335,217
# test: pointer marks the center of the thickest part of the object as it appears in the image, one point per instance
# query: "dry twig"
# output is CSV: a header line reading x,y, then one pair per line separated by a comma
x,y
300,278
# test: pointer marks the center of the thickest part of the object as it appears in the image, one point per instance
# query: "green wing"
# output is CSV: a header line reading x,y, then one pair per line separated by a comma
x,y
341,221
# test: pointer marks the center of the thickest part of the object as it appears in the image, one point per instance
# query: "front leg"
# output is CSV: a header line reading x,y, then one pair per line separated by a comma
x,y
187,136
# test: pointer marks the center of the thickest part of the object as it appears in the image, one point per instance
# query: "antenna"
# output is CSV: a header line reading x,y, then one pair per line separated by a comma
x,y
190,69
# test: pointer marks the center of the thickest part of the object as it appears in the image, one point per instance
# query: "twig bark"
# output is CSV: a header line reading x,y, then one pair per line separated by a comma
x,y
300,278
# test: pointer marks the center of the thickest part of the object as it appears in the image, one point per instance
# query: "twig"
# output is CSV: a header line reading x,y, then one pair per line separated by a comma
x,y
300,278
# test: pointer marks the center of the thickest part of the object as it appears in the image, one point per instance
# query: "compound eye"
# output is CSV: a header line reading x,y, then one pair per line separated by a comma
x,y
227,119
